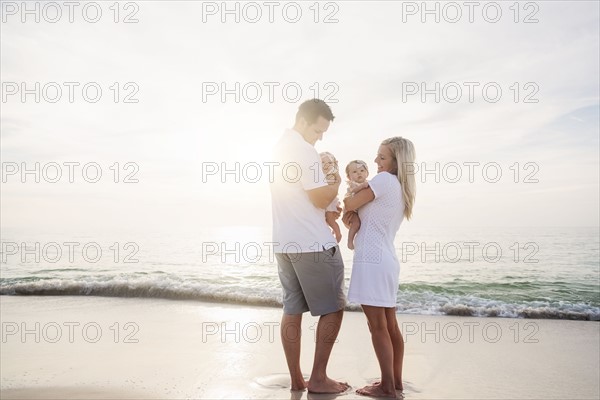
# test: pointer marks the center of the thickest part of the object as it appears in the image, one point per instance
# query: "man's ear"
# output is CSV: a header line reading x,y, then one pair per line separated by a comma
x,y
302,124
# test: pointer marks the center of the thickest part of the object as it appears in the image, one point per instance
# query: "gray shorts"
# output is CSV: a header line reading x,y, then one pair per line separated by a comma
x,y
312,281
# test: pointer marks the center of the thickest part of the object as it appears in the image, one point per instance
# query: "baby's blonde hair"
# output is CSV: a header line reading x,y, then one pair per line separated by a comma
x,y
332,159
328,154
359,162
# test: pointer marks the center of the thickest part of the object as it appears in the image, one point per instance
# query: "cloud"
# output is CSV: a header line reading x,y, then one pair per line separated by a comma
x,y
367,58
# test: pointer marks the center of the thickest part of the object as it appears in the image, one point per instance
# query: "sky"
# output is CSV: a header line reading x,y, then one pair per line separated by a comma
x,y
187,92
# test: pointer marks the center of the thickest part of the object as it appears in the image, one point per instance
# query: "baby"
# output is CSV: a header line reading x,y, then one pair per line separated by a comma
x,y
357,173
330,166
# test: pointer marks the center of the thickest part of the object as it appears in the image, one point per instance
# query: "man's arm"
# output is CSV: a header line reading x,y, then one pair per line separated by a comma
x,y
321,197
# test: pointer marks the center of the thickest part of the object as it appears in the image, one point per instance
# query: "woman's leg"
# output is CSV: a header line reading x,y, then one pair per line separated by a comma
x,y
397,344
382,343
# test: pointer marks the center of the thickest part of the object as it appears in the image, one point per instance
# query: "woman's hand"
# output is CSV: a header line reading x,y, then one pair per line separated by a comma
x,y
346,219
360,187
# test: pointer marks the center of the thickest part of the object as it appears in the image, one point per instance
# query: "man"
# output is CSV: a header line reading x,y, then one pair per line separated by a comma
x,y
310,266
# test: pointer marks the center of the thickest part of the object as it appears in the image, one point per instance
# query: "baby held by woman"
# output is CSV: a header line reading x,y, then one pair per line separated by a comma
x,y
357,173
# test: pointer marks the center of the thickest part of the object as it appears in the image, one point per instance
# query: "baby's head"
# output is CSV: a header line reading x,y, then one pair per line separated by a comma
x,y
329,163
357,171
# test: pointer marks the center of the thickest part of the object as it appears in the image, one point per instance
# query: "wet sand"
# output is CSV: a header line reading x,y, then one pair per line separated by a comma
x,y
67,347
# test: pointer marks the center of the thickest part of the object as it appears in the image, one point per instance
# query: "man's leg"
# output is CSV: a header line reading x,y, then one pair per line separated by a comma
x,y
322,277
327,332
294,304
290,337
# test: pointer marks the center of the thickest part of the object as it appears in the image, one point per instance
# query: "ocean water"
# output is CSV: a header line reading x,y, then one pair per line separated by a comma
x,y
499,272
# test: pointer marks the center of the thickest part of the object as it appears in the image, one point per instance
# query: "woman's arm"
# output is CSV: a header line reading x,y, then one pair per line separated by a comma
x,y
359,187
359,199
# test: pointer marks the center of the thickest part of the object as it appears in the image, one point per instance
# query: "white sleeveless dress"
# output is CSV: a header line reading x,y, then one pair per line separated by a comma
x,y
375,268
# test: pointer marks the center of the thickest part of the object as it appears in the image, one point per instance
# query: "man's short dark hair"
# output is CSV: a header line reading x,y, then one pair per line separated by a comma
x,y
311,110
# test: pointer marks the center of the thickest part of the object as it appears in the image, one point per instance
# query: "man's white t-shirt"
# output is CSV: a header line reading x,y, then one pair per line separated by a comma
x,y
298,225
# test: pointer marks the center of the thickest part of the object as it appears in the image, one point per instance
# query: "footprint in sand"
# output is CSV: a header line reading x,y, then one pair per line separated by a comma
x,y
274,381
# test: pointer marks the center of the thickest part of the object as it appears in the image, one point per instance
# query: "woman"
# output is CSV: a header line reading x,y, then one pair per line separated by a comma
x,y
374,283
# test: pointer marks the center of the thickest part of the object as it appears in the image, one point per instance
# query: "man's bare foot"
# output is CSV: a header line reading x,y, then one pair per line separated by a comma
x,y
376,391
327,386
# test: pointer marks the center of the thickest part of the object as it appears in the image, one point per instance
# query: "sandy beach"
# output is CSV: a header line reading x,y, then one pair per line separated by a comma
x,y
100,347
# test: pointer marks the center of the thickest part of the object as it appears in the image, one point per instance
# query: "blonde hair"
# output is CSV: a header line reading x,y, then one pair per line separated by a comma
x,y
331,158
403,152
359,162
329,155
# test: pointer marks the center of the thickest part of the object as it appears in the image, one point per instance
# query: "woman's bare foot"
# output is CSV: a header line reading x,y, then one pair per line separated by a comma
x,y
376,391
299,384
327,386
398,385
